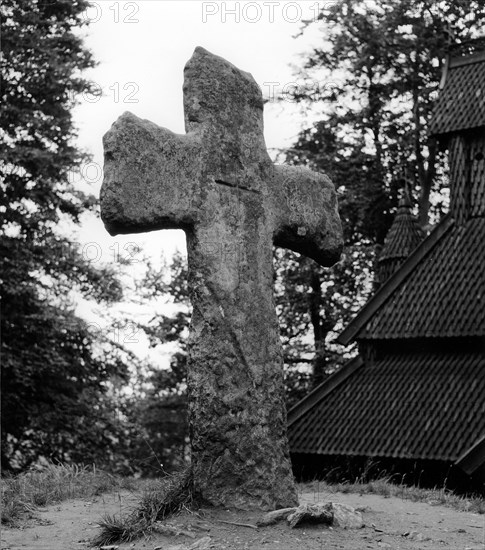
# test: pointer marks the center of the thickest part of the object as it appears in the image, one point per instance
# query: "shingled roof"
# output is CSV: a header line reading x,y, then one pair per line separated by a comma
x,y
360,411
462,101
403,237
438,292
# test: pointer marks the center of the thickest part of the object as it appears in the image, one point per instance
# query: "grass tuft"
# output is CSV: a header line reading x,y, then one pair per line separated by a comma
x,y
22,494
166,497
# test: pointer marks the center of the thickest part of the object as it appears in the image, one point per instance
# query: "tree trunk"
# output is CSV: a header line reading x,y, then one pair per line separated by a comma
x,y
427,184
319,333
425,174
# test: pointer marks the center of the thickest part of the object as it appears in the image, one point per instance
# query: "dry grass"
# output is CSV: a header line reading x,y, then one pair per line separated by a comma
x,y
385,488
166,497
22,494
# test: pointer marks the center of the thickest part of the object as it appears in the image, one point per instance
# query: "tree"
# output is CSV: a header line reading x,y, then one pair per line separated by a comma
x,y
159,408
58,377
378,70
389,56
313,305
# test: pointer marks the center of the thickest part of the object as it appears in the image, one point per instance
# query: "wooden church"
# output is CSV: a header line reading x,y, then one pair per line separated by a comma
x,y
415,395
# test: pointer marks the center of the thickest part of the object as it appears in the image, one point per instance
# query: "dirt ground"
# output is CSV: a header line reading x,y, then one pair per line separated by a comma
x,y
389,523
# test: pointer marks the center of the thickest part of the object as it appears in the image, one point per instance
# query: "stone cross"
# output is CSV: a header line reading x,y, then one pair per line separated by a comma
x,y
218,184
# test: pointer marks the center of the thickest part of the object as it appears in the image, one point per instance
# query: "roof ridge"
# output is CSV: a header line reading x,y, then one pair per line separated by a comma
x,y
323,389
460,60
394,281
472,458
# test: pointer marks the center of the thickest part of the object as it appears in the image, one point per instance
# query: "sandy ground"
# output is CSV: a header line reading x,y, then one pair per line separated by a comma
x,y
389,523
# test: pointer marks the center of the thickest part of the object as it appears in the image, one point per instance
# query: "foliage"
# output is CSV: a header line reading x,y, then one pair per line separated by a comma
x,y
156,432
41,61
313,305
58,377
157,411
384,63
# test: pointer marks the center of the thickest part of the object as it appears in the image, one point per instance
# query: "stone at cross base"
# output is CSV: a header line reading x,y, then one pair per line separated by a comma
x,y
219,185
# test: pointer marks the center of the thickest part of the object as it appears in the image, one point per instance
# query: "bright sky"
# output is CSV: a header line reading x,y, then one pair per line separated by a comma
x,y
142,47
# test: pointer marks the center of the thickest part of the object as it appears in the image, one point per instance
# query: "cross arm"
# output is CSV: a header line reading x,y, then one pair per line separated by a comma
x,y
306,217
151,177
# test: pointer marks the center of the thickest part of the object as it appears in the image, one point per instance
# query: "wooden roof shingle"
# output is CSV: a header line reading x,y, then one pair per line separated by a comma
x,y
461,105
370,412
444,295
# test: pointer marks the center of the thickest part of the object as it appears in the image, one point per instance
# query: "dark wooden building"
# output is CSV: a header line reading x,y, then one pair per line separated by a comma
x,y
416,392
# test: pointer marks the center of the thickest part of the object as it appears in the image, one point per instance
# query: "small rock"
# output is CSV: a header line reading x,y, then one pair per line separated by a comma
x,y
347,517
311,513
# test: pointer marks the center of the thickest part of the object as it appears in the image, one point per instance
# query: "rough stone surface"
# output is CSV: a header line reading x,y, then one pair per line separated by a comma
x,y
311,513
330,513
218,184
347,517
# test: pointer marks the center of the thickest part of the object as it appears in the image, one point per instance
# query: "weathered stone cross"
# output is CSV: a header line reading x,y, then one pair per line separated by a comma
x,y
218,184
